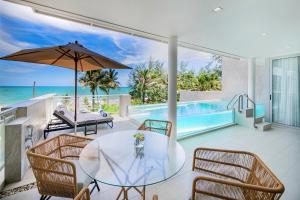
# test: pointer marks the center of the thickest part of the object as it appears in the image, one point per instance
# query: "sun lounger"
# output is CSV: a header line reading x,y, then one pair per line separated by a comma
x,y
65,120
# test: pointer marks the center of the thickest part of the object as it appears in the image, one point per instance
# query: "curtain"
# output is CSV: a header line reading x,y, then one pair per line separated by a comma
x,y
286,89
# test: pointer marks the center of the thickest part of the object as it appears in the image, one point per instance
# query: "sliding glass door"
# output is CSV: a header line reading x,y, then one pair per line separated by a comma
x,y
286,91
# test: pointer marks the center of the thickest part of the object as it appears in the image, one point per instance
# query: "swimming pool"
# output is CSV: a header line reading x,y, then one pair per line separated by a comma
x,y
192,117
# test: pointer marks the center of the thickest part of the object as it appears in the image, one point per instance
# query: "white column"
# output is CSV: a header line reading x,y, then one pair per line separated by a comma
x,y
124,102
172,83
251,78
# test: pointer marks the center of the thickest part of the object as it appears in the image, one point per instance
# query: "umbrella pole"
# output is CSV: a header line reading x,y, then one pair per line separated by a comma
x,y
75,116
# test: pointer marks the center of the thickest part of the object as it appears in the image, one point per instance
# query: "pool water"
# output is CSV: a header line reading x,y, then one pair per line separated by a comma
x,y
192,117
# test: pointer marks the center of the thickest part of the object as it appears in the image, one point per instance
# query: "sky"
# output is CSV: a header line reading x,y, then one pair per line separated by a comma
x,y
21,28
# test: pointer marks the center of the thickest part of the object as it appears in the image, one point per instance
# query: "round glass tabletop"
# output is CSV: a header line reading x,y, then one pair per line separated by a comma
x,y
115,159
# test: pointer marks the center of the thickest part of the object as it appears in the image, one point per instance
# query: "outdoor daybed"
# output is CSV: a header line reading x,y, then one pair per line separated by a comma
x,y
65,120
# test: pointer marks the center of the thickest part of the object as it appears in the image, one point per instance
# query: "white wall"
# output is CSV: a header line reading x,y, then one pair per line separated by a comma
x,y
262,86
36,112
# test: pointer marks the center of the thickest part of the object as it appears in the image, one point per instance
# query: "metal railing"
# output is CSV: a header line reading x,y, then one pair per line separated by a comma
x,y
232,99
239,98
87,103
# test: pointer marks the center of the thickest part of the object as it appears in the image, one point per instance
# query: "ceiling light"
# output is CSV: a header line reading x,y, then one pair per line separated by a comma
x,y
264,34
217,9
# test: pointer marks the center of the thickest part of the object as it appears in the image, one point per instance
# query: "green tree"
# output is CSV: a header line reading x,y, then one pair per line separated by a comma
x,y
139,82
148,82
186,79
158,85
107,81
203,81
89,79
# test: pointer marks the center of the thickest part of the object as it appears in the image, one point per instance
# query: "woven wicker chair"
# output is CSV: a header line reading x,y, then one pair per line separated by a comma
x,y
159,126
228,174
84,194
54,163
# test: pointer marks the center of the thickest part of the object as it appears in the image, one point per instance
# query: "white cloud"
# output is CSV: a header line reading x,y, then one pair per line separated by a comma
x,y
26,14
146,49
117,41
139,50
159,51
9,45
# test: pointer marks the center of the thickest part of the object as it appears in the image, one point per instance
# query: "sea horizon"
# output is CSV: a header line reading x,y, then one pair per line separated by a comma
x,y
14,94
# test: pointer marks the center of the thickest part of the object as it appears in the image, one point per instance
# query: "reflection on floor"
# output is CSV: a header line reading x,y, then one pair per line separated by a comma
x,y
279,148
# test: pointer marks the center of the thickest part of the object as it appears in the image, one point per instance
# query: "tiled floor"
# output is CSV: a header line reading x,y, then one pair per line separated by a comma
x,y
279,148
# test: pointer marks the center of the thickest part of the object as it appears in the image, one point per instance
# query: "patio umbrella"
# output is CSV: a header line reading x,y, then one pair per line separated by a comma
x,y
73,56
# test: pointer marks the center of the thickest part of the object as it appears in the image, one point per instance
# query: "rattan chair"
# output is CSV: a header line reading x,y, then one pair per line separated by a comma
x,y
228,174
159,126
84,194
54,164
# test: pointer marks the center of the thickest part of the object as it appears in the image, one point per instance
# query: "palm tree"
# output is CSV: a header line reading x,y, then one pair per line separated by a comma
x,y
107,81
148,82
139,82
89,79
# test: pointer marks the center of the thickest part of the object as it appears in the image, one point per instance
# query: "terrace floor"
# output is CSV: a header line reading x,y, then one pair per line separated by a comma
x,y
279,148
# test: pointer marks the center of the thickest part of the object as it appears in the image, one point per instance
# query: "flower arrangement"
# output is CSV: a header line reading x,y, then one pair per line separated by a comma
x,y
139,144
139,136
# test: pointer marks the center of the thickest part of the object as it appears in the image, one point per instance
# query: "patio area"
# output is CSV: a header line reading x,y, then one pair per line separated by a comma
x,y
225,76
279,148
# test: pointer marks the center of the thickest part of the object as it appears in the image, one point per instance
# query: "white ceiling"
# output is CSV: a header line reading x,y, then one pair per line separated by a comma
x,y
236,29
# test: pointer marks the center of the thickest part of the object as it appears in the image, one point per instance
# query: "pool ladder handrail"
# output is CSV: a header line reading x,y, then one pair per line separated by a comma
x,y
240,99
234,98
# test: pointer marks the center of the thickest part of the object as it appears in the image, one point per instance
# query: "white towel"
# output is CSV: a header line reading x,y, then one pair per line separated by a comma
x,y
102,113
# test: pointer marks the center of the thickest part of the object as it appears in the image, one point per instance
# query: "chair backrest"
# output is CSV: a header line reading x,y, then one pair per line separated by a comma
x,y
159,126
239,166
64,146
84,194
235,165
155,197
262,176
64,115
54,175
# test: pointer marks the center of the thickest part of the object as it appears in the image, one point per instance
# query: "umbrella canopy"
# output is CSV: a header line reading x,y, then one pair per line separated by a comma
x,y
66,56
72,56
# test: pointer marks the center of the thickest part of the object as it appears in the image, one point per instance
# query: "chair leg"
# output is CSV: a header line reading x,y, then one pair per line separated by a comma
x,y
95,186
45,197
45,134
90,132
112,124
48,198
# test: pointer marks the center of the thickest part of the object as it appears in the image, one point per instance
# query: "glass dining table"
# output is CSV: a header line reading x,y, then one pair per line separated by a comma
x,y
116,159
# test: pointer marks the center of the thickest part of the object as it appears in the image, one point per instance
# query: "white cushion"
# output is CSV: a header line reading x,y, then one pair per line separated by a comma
x,y
83,180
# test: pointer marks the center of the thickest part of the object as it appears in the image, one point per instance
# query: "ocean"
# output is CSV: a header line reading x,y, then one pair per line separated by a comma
x,y
13,94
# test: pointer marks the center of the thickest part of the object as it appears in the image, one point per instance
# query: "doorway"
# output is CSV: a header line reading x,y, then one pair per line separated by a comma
x,y
286,91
